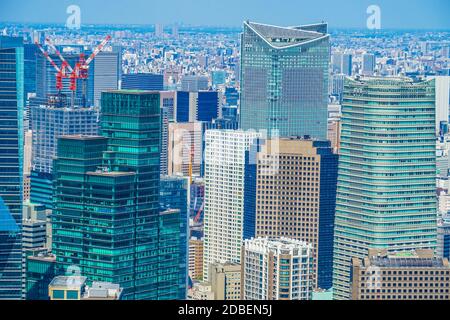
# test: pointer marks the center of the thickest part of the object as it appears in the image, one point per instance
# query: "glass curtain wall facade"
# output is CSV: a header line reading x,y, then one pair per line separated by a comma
x,y
131,122
11,167
386,181
284,79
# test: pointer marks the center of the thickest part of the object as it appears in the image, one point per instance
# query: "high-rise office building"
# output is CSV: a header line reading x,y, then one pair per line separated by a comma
x,y
173,194
34,226
191,83
27,163
276,269
197,106
137,148
169,100
368,64
442,101
443,237
284,83
40,266
196,258
386,195
48,123
226,154
185,148
103,75
226,281
11,169
342,63
128,168
336,86
164,157
143,81
294,194
403,276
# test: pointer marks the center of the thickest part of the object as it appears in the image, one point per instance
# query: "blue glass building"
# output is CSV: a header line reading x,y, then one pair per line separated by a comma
x,y
11,166
143,81
284,79
173,194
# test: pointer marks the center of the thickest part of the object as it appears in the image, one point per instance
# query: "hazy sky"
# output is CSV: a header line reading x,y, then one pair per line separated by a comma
x,y
338,13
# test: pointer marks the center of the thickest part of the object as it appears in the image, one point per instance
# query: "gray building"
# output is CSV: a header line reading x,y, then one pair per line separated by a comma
x,y
284,79
49,122
194,83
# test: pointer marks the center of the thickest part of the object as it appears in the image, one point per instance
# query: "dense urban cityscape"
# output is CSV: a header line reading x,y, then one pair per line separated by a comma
x,y
257,162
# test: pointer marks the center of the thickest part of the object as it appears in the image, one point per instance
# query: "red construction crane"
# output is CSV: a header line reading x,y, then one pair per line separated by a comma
x,y
199,213
60,71
80,71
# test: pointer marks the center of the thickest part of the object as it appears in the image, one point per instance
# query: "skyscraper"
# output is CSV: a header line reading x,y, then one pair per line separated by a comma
x,y
197,106
386,182
284,83
264,273
173,194
225,157
126,168
11,169
131,122
48,123
295,197
368,64
192,83
103,75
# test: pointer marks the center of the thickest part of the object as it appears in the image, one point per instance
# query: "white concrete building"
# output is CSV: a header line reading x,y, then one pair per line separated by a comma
x,y
224,195
276,269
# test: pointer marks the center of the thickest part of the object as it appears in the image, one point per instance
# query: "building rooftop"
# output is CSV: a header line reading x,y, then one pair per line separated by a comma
x,y
405,259
110,173
83,137
102,291
68,281
134,92
282,37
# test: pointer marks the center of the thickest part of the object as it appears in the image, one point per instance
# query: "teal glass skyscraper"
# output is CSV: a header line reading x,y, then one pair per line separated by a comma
x,y
107,223
284,79
386,181
131,122
11,166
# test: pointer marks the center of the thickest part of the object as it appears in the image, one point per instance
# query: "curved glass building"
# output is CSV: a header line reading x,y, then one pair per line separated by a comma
x,y
386,180
284,79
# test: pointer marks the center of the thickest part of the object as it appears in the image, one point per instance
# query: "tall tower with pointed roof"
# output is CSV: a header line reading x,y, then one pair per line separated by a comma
x,y
284,79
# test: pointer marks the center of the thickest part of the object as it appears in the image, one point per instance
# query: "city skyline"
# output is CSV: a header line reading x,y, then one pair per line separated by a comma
x,y
175,157
400,14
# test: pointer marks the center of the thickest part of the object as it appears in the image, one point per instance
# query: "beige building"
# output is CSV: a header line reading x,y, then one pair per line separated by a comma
x,y
415,275
27,156
196,258
185,139
334,134
226,281
293,177
201,291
